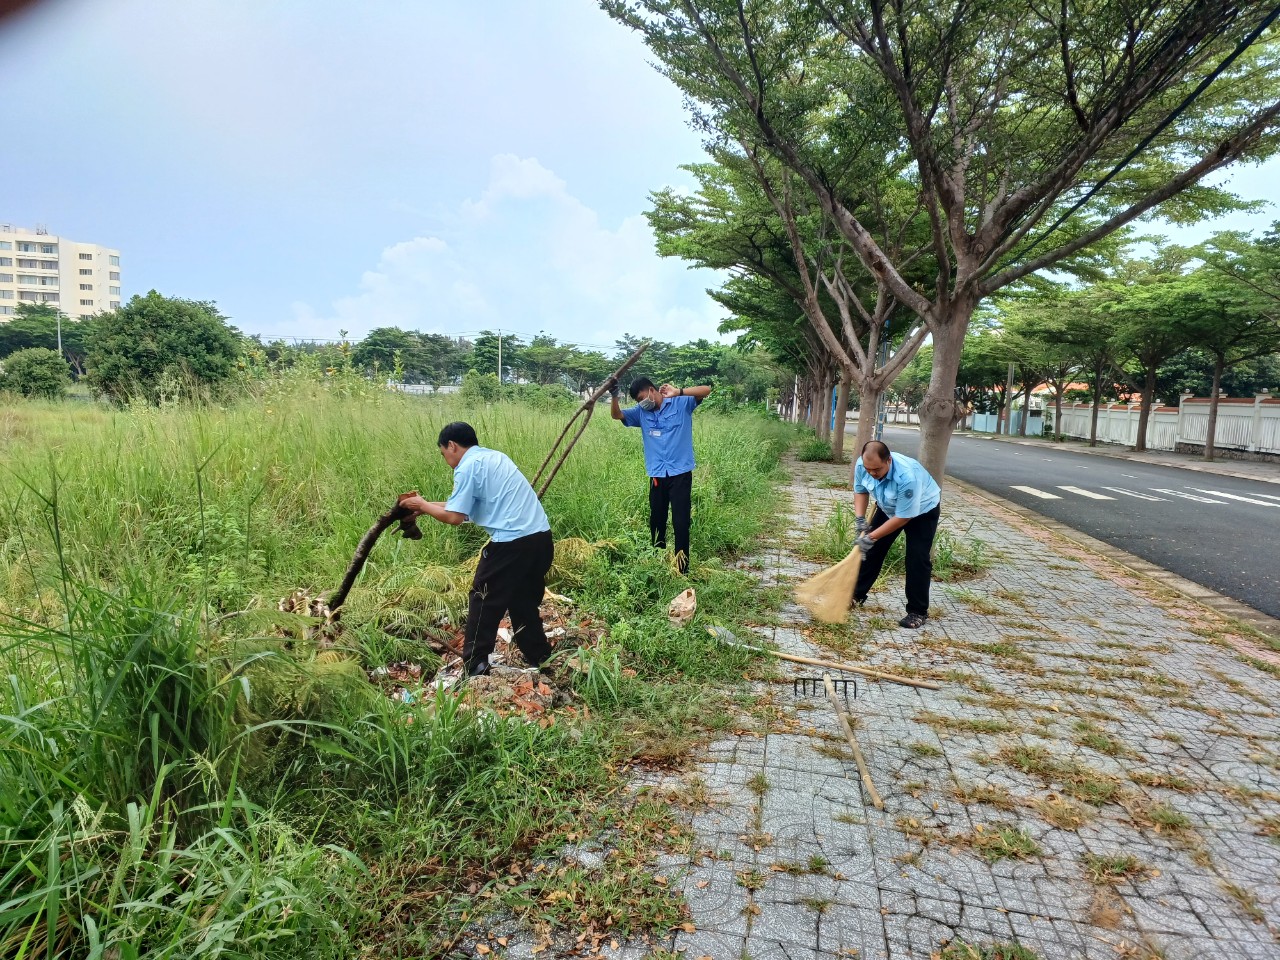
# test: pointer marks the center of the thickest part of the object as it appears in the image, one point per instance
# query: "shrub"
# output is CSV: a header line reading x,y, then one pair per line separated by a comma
x,y
36,372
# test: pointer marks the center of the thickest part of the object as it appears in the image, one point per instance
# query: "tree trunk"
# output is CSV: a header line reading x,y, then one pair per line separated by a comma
x,y
1211,428
1097,404
824,424
1144,411
868,404
1026,410
1057,410
938,411
842,416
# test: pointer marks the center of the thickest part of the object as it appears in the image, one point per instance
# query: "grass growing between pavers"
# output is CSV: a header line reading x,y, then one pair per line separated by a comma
x,y
197,774
1066,703
959,950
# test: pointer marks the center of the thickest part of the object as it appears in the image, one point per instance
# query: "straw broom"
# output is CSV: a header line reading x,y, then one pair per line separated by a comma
x,y
828,594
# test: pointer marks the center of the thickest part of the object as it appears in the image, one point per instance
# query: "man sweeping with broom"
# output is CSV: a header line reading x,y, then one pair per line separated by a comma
x,y
907,498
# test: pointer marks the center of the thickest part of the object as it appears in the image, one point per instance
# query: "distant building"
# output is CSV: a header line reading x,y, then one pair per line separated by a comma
x,y
80,279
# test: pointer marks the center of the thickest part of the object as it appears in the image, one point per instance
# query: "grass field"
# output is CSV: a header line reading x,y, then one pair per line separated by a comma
x,y
181,775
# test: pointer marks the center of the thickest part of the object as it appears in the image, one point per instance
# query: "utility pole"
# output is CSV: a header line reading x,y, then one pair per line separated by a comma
x,y
499,356
58,315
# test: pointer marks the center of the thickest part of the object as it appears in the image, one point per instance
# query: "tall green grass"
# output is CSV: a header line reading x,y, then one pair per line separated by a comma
x,y
178,780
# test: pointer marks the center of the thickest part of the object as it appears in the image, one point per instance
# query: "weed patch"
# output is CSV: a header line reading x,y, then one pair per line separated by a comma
x,y
1107,869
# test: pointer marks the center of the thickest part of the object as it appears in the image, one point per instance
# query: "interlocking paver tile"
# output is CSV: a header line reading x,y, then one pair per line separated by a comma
x,y
1123,713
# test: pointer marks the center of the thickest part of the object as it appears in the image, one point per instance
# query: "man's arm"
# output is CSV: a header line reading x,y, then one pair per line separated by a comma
x,y
888,527
698,393
433,509
860,501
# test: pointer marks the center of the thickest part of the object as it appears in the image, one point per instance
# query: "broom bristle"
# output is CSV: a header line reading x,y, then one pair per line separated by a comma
x,y
827,595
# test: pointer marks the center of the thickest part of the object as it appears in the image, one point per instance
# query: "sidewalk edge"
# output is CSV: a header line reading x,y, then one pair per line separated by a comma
x,y
1254,620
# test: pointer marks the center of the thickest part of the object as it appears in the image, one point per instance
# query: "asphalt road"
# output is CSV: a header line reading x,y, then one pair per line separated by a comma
x,y
1220,532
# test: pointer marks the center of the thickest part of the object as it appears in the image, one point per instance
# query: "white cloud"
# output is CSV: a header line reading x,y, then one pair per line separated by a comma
x,y
525,256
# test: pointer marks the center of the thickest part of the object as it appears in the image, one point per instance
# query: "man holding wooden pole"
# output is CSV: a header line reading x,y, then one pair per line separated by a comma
x,y
907,498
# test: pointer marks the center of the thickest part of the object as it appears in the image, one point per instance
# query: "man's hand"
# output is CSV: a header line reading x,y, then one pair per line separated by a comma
x,y
414,502
612,386
865,543
860,525
667,390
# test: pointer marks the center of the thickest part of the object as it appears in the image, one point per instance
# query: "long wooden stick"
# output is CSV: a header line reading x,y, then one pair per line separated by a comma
x,y
853,742
587,408
832,665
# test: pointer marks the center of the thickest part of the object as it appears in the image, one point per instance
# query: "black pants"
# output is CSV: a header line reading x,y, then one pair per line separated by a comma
x,y
920,532
510,578
675,492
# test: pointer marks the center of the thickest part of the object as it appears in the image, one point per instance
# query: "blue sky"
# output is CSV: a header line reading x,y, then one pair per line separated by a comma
x,y
316,166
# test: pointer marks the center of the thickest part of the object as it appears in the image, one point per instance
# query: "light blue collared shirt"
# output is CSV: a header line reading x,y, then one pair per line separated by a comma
x,y
906,491
667,433
494,494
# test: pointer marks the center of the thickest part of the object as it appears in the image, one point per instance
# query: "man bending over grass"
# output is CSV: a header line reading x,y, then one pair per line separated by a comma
x,y
491,492
665,418
907,498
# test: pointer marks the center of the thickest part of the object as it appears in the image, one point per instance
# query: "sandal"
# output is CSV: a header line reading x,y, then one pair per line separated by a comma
x,y
913,621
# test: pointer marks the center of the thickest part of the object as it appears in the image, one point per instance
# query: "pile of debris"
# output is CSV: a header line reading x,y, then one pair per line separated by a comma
x,y
512,687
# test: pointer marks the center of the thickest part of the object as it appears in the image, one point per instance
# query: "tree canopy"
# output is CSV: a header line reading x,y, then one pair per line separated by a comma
x,y
156,346
1008,136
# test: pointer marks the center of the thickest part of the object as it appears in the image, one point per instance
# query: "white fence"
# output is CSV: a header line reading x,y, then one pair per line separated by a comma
x,y
1250,426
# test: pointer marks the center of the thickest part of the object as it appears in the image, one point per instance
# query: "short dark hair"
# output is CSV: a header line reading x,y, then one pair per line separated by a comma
x,y
878,449
638,386
463,434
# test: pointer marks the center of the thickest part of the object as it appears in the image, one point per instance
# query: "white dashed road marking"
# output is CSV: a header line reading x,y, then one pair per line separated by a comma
x,y
1185,496
1085,493
1130,493
1037,493
1232,496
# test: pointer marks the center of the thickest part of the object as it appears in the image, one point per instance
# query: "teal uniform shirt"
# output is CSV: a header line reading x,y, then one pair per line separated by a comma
x,y
906,491
492,492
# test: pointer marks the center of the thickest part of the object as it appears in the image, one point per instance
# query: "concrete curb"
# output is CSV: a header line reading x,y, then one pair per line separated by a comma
x,y
1115,454
1253,619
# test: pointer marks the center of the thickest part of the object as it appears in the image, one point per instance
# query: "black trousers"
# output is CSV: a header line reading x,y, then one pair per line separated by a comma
x,y
920,532
675,492
510,578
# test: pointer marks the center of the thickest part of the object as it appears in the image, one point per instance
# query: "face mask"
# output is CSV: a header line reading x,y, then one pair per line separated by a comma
x,y
647,404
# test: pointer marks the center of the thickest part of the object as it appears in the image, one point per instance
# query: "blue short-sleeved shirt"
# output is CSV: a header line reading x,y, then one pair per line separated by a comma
x,y
906,491
668,435
494,494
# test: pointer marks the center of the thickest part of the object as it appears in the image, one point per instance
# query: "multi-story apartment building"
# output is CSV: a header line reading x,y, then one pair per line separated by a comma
x,y
80,279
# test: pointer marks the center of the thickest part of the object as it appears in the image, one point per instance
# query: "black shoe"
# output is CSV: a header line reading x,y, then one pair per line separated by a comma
x,y
858,602
913,621
478,669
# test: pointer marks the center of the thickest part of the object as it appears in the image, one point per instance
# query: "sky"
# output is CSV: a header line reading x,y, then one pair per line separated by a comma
x,y
315,166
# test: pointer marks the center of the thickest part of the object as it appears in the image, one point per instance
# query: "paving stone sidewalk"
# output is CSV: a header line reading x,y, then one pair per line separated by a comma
x,y
1099,776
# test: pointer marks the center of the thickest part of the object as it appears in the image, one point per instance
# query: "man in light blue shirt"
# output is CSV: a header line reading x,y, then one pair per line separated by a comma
x,y
907,498
664,416
491,492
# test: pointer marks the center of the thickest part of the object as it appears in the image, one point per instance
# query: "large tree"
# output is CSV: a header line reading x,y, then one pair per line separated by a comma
x,y
1031,130
38,325
1233,321
382,347
154,345
749,217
